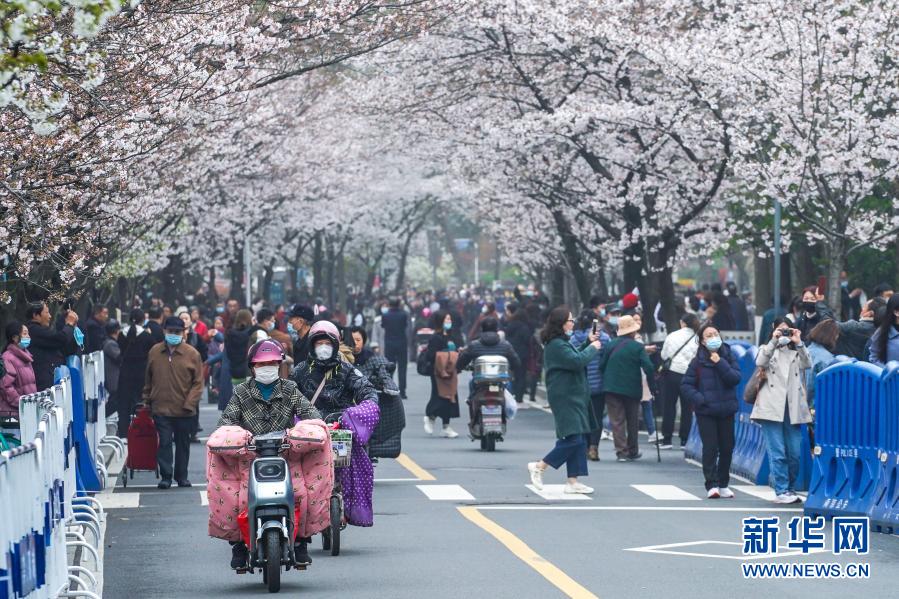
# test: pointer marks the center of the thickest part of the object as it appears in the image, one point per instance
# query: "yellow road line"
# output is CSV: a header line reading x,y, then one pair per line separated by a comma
x,y
520,549
419,472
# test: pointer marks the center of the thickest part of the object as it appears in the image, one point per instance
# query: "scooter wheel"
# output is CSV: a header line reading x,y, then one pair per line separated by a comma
x,y
271,573
326,539
490,443
336,520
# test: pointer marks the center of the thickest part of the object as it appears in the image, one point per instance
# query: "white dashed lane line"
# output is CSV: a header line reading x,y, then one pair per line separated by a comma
x,y
445,493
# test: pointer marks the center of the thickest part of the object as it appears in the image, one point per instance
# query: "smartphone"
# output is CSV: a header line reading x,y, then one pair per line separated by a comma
x,y
822,285
595,326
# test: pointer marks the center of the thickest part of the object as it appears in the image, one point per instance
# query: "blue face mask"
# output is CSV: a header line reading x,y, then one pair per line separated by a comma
x,y
714,343
173,338
602,313
25,342
383,310
844,284
290,330
570,333
447,326
79,337
220,309
613,320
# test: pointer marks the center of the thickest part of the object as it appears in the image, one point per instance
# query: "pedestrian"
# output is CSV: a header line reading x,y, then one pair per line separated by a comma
x,y
198,324
781,406
885,340
582,331
172,390
710,384
196,341
154,322
678,351
299,321
267,322
395,323
813,310
737,307
112,362
569,398
444,403
488,310
822,340
95,329
237,342
49,347
622,360
135,343
855,335
723,316
519,334
535,351
19,378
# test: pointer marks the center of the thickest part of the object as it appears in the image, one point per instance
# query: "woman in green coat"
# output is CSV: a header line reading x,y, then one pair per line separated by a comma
x,y
569,398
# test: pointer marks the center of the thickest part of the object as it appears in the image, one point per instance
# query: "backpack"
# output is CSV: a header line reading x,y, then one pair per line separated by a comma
x,y
422,365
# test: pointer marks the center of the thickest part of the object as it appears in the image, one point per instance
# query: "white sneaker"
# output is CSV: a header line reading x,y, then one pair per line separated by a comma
x,y
536,475
606,435
448,432
429,425
577,488
794,494
786,498
713,493
725,493
654,438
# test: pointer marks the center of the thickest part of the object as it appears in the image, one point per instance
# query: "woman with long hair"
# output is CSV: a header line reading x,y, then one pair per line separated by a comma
x,y
885,340
569,398
443,404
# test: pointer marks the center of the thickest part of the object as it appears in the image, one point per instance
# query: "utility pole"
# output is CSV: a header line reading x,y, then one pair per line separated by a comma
x,y
246,270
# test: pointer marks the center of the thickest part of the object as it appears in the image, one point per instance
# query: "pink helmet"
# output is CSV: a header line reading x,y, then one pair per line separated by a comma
x,y
324,328
266,350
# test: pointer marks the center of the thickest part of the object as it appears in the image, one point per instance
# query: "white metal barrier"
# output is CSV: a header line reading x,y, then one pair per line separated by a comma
x,y
41,514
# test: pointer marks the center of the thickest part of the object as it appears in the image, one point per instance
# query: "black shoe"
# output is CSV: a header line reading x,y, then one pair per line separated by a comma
x,y
164,484
403,396
239,555
635,456
184,483
194,438
301,552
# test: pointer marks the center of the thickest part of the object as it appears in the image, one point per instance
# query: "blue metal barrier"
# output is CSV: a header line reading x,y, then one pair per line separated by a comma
x,y
884,512
88,479
846,470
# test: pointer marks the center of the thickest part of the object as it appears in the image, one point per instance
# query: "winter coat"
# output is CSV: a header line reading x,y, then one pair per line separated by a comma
x,y
375,369
396,327
95,335
174,381
782,391
687,341
345,386
112,361
156,331
438,342
594,376
620,365
19,379
566,386
237,342
854,336
738,309
710,386
489,344
806,323
874,351
519,334
48,348
821,359
135,351
248,410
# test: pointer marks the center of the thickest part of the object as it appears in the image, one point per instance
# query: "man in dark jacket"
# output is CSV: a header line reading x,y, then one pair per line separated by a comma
x,y
95,329
154,323
298,323
396,349
489,343
48,346
738,308
855,334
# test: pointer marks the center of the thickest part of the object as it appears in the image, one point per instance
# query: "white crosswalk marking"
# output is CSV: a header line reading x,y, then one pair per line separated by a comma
x,y
114,501
557,493
666,492
766,493
204,499
445,492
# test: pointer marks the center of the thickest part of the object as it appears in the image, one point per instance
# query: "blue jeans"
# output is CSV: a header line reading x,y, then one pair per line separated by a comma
x,y
648,418
783,440
571,451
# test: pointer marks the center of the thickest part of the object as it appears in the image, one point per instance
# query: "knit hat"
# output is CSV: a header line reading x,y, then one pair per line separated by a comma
x,y
629,301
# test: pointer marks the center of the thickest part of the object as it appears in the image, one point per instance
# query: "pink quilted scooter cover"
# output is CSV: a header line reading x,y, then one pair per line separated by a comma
x,y
227,472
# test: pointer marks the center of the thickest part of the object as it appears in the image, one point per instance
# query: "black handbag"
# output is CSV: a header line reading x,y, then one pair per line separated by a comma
x,y
386,441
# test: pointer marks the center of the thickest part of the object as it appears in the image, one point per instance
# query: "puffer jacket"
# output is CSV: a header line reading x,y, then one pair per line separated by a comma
x,y
711,387
489,344
19,379
345,386
594,376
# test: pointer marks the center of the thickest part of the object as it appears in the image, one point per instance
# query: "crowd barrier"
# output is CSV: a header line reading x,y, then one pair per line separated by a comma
x,y
44,506
857,443
750,459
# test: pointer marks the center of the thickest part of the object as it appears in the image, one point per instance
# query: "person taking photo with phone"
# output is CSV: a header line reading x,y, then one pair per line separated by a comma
x,y
781,406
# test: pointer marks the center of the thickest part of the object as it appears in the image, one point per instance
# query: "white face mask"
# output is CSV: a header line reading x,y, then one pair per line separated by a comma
x,y
266,374
324,352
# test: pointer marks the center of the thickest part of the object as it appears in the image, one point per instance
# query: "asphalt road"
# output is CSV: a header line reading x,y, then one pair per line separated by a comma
x,y
491,535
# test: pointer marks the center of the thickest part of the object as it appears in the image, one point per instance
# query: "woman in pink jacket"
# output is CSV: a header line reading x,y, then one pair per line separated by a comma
x,y
19,378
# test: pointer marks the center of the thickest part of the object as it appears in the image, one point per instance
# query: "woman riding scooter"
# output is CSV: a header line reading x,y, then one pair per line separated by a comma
x,y
337,387
266,403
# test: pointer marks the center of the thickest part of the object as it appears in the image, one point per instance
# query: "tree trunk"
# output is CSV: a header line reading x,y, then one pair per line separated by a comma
x,y
763,292
317,259
341,277
602,286
497,264
803,256
267,276
236,264
557,284
572,256
836,259
670,312
329,270
210,282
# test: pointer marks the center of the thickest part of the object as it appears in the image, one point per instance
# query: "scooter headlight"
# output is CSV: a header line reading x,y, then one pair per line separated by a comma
x,y
269,471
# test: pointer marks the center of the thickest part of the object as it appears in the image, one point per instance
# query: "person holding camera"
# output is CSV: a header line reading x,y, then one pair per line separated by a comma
x,y
781,406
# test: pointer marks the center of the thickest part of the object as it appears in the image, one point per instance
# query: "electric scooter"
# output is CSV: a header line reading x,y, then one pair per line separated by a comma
x,y
486,406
